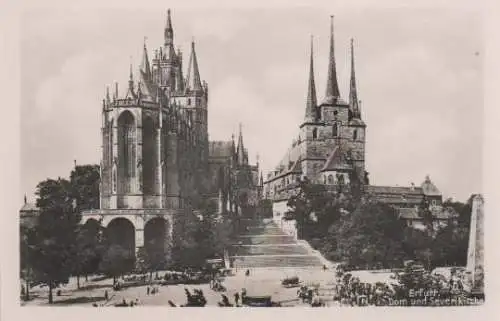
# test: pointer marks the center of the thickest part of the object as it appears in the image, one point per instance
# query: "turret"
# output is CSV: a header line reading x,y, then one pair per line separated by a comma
x,y
145,67
193,81
241,149
169,31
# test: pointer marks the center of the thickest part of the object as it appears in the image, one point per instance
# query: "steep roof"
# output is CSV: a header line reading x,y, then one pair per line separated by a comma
x,y
337,160
220,149
193,80
439,213
311,102
29,207
332,86
393,190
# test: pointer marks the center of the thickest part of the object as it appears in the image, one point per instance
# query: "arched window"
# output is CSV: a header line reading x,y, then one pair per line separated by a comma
x,y
189,101
330,179
335,130
149,158
315,133
324,179
355,134
126,150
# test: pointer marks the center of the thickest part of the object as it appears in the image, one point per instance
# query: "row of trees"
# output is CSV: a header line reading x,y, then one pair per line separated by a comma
x,y
352,228
58,246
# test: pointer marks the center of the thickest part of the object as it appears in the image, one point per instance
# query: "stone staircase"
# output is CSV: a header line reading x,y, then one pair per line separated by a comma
x,y
264,245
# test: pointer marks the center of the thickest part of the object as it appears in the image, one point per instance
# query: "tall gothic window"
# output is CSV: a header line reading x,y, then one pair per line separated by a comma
x,y
148,155
315,133
110,143
355,135
126,147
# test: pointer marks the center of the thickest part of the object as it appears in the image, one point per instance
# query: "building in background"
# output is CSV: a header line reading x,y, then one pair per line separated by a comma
x,y
329,149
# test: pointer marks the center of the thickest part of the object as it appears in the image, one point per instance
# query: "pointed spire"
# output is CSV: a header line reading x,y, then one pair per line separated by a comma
x,y
241,148
145,67
332,86
353,93
115,94
261,180
108,99
130,91
169,31
193,82
25,199
311,91
131,75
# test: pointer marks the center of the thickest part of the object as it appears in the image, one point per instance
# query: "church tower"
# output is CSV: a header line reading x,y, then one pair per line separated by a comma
x,y
357,128
311,127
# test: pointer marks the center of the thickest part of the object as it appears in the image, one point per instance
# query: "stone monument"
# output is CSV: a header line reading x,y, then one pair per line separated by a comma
x,y
475,253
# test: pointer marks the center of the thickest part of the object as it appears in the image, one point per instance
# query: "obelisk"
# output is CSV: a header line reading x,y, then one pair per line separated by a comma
x,y
475,255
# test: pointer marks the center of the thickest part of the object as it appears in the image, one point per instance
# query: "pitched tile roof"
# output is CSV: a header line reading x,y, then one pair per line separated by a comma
x,y
336,160
404,190
220,149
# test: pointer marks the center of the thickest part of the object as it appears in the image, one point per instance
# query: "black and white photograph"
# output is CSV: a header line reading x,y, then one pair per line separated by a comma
x,y
247,156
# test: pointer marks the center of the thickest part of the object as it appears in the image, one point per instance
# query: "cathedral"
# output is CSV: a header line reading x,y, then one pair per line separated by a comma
x,y
158,165
329,149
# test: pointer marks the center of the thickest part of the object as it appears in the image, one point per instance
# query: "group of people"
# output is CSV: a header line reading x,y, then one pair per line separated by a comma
x,y
308,295
353,292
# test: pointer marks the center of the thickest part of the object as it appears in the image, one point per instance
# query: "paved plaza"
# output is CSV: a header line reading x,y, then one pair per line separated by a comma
x,y
260,282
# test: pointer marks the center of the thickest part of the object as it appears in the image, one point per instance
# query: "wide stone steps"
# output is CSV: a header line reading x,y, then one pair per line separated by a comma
x,y
263,230
265,239
270,250
263,261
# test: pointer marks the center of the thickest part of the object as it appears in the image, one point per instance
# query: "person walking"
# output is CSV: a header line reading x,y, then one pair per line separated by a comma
x,y
236,298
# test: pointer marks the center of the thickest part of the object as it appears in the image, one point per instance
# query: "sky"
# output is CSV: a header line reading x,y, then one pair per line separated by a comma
x,y
419,74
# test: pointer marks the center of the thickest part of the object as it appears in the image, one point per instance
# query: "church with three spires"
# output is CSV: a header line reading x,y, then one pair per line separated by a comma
x,y
329,149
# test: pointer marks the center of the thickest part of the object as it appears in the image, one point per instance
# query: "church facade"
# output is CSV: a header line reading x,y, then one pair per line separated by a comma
x,y
329,149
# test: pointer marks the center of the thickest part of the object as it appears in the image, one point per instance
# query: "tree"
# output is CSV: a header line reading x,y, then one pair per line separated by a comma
x,y
90,249
450,246
315,209
425,212
418,245
53,240
464,210
116,261
152,257
185,251
26,257
85,186
369,236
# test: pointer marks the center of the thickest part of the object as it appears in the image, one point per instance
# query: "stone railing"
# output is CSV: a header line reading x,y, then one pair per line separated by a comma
x,y
130,211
